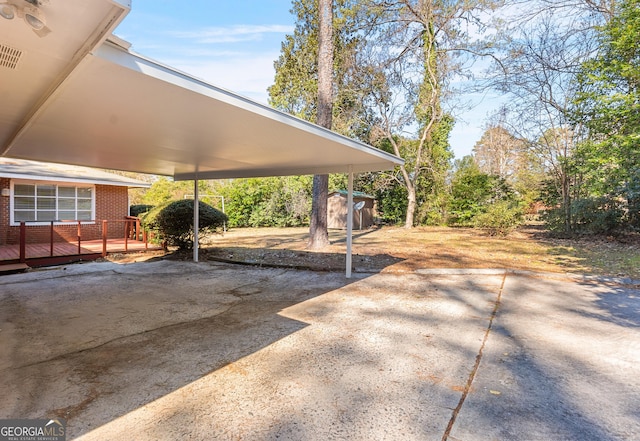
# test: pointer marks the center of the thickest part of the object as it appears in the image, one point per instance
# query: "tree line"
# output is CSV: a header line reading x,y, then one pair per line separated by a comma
x,y
567,141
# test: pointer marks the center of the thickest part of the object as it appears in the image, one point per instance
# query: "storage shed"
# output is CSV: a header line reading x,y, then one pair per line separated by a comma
x,y
337,210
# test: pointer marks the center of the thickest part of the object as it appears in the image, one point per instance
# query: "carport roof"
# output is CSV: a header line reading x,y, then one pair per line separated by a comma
x,y
80,96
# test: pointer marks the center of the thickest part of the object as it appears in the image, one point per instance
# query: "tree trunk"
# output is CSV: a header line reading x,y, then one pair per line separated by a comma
x,y
318,233
411,206
566,202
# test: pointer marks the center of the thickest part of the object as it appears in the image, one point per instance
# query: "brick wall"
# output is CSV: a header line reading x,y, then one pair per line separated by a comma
x,y
4,212
112,204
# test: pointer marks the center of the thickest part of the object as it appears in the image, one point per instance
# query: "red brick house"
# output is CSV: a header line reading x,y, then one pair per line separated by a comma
x,y
40,193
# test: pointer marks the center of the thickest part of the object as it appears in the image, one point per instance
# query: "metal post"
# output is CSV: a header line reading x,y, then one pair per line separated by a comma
x,y
196,219
349,222
224,223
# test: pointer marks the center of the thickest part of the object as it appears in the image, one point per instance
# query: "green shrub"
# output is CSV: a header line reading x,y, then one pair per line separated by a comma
x,y
594,215
392,204
500,218
554,220
137,210
473,192
173,221
268,202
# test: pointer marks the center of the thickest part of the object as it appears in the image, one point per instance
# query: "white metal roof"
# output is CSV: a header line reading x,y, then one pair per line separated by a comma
x,y
45,171
76,98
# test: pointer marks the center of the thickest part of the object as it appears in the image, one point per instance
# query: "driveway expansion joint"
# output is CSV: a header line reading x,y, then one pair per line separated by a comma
x,y
476,366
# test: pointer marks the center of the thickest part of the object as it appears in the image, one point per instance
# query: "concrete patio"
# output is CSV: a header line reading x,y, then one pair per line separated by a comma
x,y
170,350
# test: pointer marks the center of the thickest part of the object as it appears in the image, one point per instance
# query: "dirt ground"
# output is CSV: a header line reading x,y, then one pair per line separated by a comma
x,y
398,250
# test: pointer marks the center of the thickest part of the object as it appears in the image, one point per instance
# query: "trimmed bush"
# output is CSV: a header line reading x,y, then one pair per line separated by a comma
x,y
137,210
173,222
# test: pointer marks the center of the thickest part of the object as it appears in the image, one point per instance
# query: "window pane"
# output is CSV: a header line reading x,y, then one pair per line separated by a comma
x,y
84,192
66,204
46,215
67,192
46,190
24,190
24,216
84,204
50,202
46,204
24,203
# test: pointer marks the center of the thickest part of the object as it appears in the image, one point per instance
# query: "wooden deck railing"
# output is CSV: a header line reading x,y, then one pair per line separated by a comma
x,y
132,230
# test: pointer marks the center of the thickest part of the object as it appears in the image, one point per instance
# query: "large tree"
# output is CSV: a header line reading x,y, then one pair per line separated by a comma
x,y
541,50
318,233
295,87
415,50
497,152
500,153
316,79
393,65
608,105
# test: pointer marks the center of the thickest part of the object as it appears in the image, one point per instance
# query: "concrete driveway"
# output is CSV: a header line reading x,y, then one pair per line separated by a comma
x,y
175,350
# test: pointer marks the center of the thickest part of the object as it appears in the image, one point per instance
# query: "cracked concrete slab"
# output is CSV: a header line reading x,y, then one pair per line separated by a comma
x,y
175,350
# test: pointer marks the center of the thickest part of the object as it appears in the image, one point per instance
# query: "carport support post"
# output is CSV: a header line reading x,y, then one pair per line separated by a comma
x,y
349,221
196,219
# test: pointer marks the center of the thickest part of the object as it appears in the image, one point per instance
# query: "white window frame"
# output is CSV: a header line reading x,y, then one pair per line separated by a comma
x,y
57,184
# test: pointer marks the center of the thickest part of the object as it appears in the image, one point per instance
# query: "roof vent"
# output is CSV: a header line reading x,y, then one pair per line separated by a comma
x,y
9,57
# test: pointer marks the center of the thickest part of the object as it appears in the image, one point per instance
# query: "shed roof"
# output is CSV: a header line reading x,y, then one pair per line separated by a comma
x,y
356,194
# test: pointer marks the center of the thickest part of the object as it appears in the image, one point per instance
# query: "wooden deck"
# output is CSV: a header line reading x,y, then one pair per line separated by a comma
x,y
40,254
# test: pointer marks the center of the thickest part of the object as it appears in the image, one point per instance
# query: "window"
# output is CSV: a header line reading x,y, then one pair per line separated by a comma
x,y
51,202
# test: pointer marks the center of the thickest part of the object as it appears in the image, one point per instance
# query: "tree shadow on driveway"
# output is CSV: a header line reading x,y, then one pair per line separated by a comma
x,y
92,346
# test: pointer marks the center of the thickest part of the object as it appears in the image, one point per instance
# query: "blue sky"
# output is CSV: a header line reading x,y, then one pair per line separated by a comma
x,y
233,44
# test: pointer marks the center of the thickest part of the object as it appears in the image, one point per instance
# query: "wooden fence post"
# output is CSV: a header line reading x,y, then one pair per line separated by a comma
x,y
23,241
104,238
79,238
127,227
51,240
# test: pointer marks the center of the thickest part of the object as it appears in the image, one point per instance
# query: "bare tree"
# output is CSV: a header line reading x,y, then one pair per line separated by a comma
x,y
542,50
416,48
499,152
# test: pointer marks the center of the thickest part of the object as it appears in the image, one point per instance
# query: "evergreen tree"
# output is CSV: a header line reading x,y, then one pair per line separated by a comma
x,y
608,104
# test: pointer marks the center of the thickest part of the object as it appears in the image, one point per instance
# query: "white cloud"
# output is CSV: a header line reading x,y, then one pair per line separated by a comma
x,y
244,69
249,75
232,34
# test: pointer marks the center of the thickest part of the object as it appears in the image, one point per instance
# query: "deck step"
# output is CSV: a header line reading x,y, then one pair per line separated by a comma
x,y
13,268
